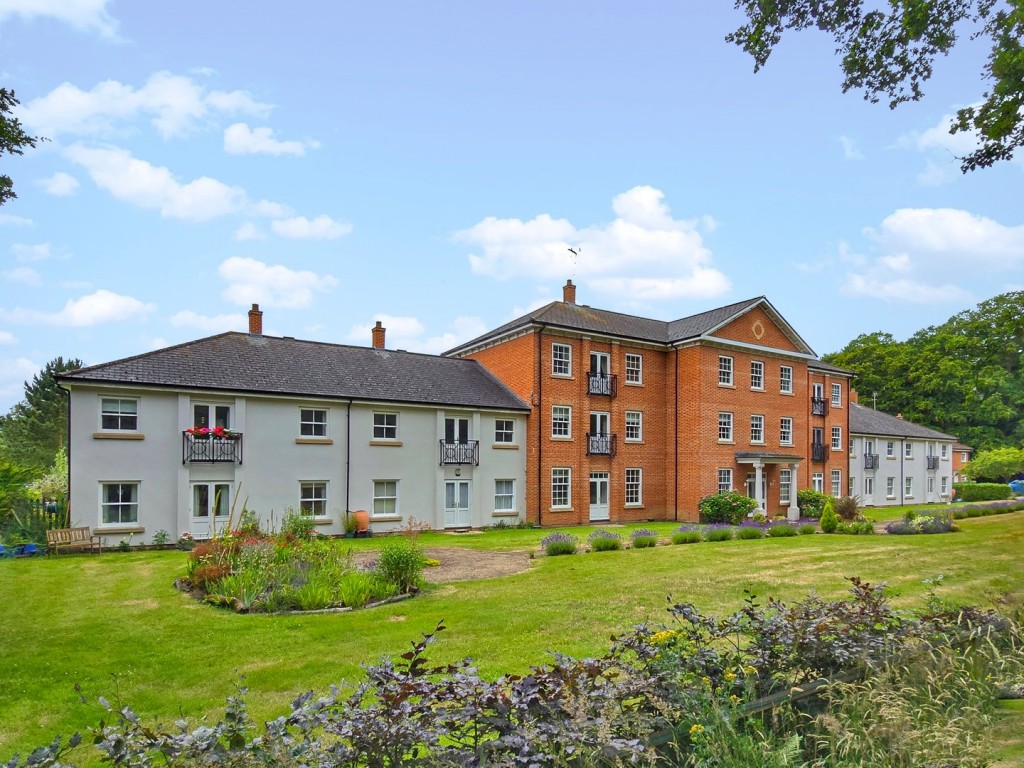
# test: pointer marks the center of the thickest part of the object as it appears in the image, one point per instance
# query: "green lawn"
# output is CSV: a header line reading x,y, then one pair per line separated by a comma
x,y
115,625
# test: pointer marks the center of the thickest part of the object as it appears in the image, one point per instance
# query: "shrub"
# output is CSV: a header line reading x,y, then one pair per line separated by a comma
x,y
780,530
749,532
848,507
829,518
811,502
938,522
400,562
642,538
161,537
559,543
982,491
729,507
807,529
856,528
687,535
604,541
297,526
718,533
206,574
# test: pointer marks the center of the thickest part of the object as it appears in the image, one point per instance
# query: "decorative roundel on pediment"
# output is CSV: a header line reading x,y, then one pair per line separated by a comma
x,y
757,329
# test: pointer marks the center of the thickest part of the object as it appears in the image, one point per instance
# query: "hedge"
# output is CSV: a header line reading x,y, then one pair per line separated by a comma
x,y
982,491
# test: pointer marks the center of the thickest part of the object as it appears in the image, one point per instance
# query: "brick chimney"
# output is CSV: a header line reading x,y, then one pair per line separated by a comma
x,y
378,335
899,416
255,320
854,397
569,292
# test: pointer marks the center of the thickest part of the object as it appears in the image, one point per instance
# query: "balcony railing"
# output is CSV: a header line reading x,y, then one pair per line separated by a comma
x,y
600,444
933,462
870,461
819,452
819,406
209,449
461,453
602,384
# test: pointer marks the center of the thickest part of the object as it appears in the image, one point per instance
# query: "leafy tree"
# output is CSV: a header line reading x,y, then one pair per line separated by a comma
x,y
998,465
888,50
13,139
34,429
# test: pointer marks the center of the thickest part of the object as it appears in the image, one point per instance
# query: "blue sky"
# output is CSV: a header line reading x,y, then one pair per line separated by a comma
x,y
430,164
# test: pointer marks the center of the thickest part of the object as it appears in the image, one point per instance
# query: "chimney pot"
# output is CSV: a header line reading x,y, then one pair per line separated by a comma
x,y
569,292
377,333
255,320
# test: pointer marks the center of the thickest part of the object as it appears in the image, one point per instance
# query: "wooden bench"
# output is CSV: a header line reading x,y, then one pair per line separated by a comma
x,y
72,538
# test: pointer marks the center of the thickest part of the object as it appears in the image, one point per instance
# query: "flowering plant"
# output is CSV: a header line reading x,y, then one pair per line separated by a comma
x,y
214,432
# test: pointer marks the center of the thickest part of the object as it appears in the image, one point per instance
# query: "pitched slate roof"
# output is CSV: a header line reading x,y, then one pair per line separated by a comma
x,y
241,362
579,317
867,421
823,366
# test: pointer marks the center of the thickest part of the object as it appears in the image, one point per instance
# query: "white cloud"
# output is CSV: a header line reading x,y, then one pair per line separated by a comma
x,y
7,338
943,150
175,105
321,228
251,281
644,250
60,184
97,308
206,323
14,372
407,333
271,209
23,275
918,251
240,139
85,15
850,151
249,231
15,221
28,253
148,186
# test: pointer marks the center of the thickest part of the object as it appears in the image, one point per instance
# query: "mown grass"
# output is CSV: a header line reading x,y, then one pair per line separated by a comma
x,y
115,625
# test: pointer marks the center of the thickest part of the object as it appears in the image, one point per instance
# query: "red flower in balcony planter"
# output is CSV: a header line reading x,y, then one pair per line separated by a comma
x,y
218,431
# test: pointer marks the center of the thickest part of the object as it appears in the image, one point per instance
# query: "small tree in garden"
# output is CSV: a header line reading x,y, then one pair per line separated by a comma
x,y
729,507
829,518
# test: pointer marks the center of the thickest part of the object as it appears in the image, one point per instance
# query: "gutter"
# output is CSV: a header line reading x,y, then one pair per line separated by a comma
x,y
67,448
348,457
540,415
675,467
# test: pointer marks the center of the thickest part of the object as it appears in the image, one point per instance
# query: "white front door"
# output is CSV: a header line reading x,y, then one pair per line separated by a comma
x,y
456,503
211,507
598,496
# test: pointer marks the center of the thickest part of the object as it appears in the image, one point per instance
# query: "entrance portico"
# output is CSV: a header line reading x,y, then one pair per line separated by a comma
x,y
759,461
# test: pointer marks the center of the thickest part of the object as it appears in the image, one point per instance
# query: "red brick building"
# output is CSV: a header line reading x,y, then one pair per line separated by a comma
x,y
635,419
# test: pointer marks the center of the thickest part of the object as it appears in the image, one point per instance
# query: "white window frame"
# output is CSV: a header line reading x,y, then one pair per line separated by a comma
x,y
385,422
132,505
505,431
944,451
837,438
869,486
561,360
725,371
944,486
757,375
818,482
724,480
757,429
561,487
963,456
118,414
786,379
837,395
931,485
786,430
837,482
908,487
785,486
890,487
309,423
908,450
890,449
634,368
634,486
561,419
385,491
634,426
725,427
505,496
313,497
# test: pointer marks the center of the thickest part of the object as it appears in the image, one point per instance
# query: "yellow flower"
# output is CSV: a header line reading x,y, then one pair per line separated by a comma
x,y
750,670
706,680
730,676
734,698
663,637
696,729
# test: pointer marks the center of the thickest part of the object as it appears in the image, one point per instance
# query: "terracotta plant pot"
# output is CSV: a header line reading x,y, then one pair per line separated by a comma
x,y
362,518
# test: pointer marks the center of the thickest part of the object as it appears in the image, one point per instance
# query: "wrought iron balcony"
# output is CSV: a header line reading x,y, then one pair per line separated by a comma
x,y
600,444
933,462
870,461
602,384
211,449
461,453
819,406
819,452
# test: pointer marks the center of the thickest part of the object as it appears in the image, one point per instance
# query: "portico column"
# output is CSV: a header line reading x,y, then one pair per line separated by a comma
x,y
758,491
794,508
